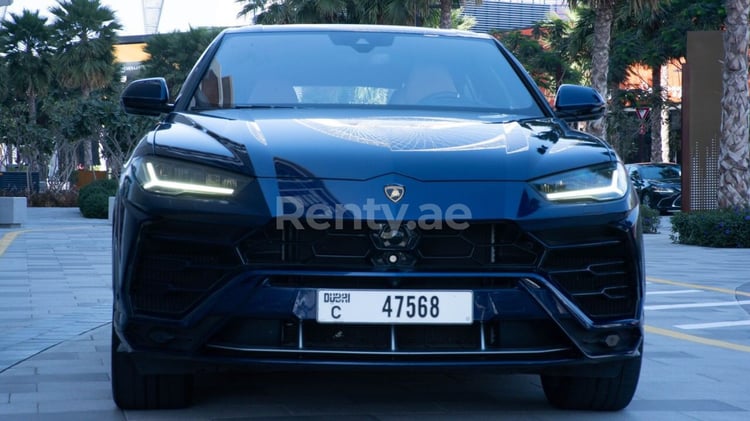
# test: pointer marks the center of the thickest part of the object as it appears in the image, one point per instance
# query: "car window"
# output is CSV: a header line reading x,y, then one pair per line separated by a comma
x,y
660,172
362,69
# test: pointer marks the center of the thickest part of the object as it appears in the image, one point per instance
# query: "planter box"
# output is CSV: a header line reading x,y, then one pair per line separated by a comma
x,y
12,211
84,177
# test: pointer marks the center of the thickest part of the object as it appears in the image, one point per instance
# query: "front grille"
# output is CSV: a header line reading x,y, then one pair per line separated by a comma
x,y
171,275
367,246
595,268
177,266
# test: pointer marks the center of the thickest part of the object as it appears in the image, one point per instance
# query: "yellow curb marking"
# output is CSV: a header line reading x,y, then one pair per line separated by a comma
x,y
692,338
697,339
698,286
7,239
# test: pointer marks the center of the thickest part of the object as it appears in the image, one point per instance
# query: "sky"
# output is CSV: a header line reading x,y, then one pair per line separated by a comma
x,y
177,15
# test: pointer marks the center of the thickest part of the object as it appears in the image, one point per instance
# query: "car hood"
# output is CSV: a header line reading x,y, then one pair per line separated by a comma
x,y
363,144
672,183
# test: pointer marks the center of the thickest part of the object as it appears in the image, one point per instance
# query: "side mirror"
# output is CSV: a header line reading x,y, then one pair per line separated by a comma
x,y
146,97
579,103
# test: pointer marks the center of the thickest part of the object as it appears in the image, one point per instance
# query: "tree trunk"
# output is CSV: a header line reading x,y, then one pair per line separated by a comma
x,y
445,14
734,151
657,101
88,150
665,118
31,98
600,60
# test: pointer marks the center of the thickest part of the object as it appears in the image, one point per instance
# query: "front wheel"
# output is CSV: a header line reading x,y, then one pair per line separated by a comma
x,y
132,390
594,393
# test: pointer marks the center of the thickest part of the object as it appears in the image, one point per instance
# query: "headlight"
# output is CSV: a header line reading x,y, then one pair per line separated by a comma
x,y
661,189
172,177
598,183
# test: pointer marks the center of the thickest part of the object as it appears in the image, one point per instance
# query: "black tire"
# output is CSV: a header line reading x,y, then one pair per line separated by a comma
x,y
594,393
132,390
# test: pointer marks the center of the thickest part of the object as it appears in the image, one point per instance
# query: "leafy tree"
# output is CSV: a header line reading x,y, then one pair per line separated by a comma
x,y
120,132
734,149
547,67
653,37
172,55
69,120
649,36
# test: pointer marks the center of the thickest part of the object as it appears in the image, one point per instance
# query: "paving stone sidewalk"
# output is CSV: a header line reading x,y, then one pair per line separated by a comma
x,y
55,281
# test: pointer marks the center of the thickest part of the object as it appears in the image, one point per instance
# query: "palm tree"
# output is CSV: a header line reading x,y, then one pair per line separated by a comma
x,y
734,150
391,12
298,11
446,12
86,33
25,41
604,11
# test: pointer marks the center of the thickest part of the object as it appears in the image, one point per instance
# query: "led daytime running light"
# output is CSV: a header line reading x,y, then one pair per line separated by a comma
x,y
592,192
154,182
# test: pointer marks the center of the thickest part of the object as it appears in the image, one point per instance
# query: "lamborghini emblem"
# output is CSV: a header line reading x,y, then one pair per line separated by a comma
x,y
394,192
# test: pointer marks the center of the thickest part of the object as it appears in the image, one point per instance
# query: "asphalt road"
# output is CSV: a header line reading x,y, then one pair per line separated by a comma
x,y
54,347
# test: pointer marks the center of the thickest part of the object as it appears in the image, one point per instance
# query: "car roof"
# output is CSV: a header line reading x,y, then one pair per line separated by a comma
x,y
417,30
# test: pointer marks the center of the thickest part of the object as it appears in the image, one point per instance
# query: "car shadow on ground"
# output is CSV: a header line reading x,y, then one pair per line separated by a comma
x,y
330,393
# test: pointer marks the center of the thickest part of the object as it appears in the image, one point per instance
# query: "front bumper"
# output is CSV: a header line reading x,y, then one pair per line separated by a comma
x,y
200,290
669,203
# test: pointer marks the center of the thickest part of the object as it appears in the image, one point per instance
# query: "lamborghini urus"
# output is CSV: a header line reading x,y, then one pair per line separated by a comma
x,y
373,197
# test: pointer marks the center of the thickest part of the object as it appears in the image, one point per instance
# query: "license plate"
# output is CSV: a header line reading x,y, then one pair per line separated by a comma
x,y
395,307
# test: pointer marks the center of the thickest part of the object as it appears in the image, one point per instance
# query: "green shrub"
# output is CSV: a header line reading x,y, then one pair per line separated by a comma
x,y
650,220
715,228
93,199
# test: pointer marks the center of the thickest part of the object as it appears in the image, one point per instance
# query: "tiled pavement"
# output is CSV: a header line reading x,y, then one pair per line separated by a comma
x,y
55,310
55,302
54,282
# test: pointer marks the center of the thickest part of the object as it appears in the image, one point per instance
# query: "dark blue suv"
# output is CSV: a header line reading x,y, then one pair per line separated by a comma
x,y
373,197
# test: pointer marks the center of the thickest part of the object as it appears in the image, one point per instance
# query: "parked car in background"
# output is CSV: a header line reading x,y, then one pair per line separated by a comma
x,y
339,197
659,185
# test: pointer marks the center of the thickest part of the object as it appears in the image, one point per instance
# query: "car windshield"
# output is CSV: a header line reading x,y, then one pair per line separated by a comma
x,y
666,172
362,69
